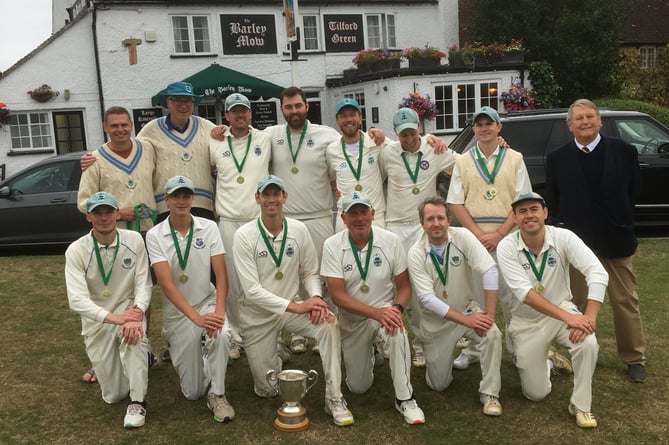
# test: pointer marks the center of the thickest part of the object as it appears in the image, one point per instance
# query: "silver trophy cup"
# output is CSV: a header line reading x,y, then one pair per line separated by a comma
x,y
292,385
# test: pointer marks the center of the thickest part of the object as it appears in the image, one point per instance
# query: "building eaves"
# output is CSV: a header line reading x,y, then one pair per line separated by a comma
x,y
258,2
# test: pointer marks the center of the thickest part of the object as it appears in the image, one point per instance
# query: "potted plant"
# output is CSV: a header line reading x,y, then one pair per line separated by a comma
x,y
422,105
518,98
4,114
426,57
365,58
390,60
492,55
43,93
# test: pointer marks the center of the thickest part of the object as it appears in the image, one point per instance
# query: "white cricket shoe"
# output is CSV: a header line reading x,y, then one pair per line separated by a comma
x,y
413,415
235,351
219,405
339,412
135,415
491,405
463,361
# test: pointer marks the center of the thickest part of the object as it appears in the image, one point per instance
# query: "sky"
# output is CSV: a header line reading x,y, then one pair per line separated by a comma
x,y
25,25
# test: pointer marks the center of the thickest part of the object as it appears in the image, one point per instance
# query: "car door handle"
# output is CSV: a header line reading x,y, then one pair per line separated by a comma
x,y
644,164
58,200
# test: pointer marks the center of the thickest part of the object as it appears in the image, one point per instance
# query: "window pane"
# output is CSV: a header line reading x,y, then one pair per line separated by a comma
x,y
180,29
374,31
201,34
466,103
30,130
310,25
390,30
444,101
488,93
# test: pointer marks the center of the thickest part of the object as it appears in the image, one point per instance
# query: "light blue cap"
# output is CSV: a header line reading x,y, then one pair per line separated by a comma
x,y
486,111
178,89
178,182
347,102
532,196
236,99
101,199
269,180
405,118
354,199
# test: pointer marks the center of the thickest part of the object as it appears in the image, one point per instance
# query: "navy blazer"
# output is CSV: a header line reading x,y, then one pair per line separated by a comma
x,y
602,217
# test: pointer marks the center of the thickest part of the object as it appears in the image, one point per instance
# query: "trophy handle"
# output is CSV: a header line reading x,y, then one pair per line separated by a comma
x,y
271,378
313,378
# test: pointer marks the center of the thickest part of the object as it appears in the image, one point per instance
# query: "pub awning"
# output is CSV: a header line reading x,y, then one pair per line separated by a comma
x,y
218,81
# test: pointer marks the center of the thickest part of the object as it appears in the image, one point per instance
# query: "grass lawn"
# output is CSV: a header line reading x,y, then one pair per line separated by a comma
x,y
44,402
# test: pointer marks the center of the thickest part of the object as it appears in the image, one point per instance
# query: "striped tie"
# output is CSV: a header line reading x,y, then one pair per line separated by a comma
x,y
584,149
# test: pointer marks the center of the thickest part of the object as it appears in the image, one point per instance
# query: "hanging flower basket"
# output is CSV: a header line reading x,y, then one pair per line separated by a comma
x,y
4,114
43,93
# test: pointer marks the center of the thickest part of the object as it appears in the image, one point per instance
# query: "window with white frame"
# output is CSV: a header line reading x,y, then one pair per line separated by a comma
x,y
381,31
310,32
30,130
457,102
648,56
191,34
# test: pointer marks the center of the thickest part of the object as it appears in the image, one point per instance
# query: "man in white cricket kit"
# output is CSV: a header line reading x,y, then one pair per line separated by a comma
x,y
411,166
441,263
109,285
183,251
535,263
366,273
273,256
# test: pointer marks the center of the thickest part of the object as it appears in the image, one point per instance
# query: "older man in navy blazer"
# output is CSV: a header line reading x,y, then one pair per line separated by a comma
x,y
592,182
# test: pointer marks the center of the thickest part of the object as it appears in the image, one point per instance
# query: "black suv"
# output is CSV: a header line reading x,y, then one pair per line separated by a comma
x,y
537,133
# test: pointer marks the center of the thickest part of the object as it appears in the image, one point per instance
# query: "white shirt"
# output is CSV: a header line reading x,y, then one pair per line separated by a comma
x,y
465,254
562,248
129,283
264,294
206,243
235,199
309,191
402,205
388,259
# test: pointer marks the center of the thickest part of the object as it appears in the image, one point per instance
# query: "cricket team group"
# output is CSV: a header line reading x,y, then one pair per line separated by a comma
x,y
235,225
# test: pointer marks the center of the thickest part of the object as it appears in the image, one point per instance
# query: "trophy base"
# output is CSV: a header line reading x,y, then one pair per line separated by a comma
x,y
291,422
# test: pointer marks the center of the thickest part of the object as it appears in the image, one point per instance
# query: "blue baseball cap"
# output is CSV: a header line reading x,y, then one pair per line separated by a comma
x,y
178,89
405,118
486,111
354,199
178,182
236,99
101,199
269,180
347,102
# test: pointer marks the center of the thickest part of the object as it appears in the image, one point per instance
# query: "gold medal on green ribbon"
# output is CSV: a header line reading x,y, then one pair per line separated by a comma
x,y
358,188
415,190
294,170
538,273
183,259
444,294
413,174
293,156
356,255
183,278
240,179
364,288
240,165
106,276
270,247
539,288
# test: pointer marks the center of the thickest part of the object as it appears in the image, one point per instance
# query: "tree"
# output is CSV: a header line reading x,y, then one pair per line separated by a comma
x,y
580,39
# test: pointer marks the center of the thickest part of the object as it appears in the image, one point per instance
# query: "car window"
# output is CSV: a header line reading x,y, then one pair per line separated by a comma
x,y
529,138
44,179
645,135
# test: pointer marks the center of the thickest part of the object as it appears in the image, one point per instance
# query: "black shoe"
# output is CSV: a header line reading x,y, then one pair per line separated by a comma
x,y
637,373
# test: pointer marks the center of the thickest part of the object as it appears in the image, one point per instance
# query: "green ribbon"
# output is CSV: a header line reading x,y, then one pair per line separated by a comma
x,y
239,166
358,263
413,175
299,145
484,167
140,210
105,276
443,274
356,173
539,274
277,259
183,260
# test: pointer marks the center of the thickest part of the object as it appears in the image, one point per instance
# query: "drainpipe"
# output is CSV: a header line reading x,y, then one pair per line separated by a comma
x,y
97,62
